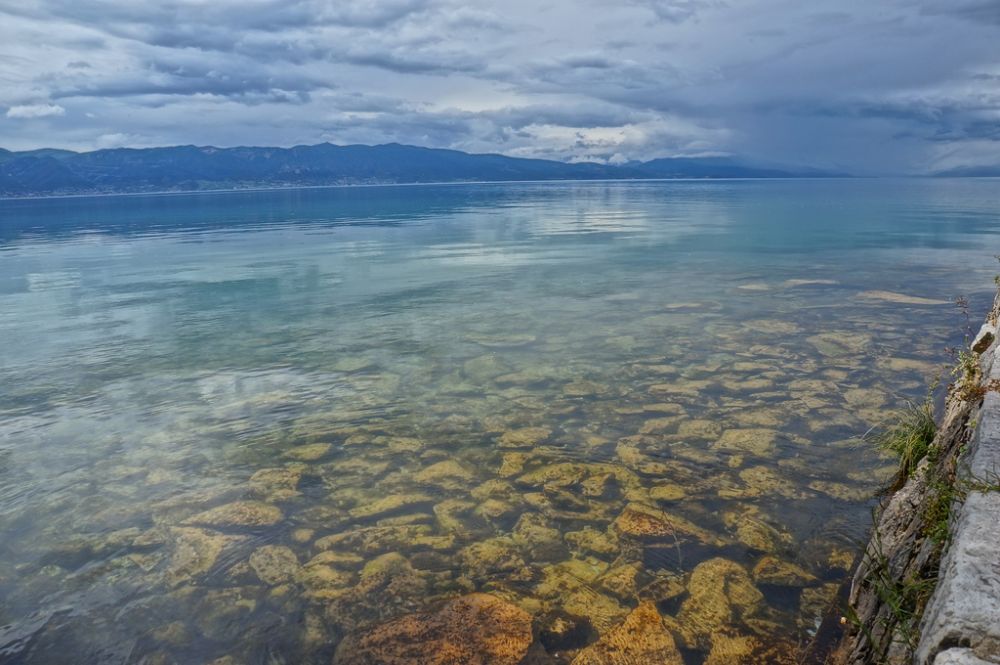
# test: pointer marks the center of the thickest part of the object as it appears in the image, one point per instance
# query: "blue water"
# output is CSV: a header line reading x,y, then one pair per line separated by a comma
x,y
717,347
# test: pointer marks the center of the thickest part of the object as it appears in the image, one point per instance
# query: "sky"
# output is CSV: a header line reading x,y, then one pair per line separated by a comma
x,y
869,87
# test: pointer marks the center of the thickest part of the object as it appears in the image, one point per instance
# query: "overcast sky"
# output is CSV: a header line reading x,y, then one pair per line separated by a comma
x,y
870,86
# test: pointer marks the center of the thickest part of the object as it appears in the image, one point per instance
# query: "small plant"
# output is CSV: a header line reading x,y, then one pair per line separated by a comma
x,y
909,438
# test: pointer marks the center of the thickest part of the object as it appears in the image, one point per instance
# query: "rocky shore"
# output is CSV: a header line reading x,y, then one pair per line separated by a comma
x,y
927,590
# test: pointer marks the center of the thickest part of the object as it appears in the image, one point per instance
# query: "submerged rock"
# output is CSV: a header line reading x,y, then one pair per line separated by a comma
x,y
389,505
478,629
239,514
195,552
772,570
492,557
277,484
310,452
645,523
525,437
448,474
756,441
720,593
641,638
274,564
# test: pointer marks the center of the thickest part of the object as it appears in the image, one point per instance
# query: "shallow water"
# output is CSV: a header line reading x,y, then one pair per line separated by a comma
x,y
243,426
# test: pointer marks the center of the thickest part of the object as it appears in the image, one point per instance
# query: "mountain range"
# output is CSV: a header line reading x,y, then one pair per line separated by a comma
x,y
47,172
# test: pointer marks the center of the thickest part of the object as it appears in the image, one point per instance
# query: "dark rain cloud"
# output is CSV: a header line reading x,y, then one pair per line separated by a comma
x,y
892,86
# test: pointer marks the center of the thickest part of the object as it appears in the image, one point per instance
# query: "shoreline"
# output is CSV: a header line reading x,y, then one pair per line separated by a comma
x,y
927,586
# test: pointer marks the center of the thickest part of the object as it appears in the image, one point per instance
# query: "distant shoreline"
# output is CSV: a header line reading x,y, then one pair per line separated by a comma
x,y
457,183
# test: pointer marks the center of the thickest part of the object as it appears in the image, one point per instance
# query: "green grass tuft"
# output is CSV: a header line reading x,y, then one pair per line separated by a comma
x,y
909,437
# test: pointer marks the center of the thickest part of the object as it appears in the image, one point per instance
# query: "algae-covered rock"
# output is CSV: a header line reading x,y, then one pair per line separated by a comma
x,y
641,638
309,452
389,505
757,441
195,552
646,523
752,529
772,570
591,541
492,557
274,564
720,592
841,491
536,536
621,581
525,437
736,649
512,464
478,629
238,514
667,492
448,474
276,484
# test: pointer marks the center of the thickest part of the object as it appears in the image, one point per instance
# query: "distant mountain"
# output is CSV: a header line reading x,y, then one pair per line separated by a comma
x,y
50,171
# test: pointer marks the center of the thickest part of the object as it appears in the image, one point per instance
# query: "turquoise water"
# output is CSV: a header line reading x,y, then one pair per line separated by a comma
x,y
246,425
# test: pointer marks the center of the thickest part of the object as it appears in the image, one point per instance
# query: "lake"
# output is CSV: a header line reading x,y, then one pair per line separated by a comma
x,y
243,427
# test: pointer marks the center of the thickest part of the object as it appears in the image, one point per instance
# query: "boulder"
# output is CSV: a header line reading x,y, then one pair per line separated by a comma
x,y
477,629
641,638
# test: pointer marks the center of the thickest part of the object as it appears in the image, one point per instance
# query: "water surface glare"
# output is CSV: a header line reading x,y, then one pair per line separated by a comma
x,y
244,427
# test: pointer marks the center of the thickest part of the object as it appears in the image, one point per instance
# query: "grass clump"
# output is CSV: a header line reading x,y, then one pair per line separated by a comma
x,y
909,437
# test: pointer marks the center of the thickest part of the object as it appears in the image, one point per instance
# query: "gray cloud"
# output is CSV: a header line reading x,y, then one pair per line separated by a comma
x,y
889,87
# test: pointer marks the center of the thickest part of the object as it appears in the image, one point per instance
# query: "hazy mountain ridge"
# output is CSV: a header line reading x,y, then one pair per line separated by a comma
x,y
52,171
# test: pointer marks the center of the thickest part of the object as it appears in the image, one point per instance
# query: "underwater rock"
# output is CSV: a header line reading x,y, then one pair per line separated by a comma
x,y
645,523
815,603
455,516
238,514
762,481
583,388
512,464
344,560
543,542
667,492
492,557
274,564
494,489
756,441
659,425
309,452
483,368
752,529
841,491
900,298
621,581
561,631
449,475
736,649
277,484
641,638
699,429
663,587
720,592
497,511
390,505
630,451
324,581
374,539
388,585
195,551
591,541
477,629
772,570
525,437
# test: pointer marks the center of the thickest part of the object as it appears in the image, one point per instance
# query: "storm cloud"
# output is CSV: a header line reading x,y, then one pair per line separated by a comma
x,y
870,87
